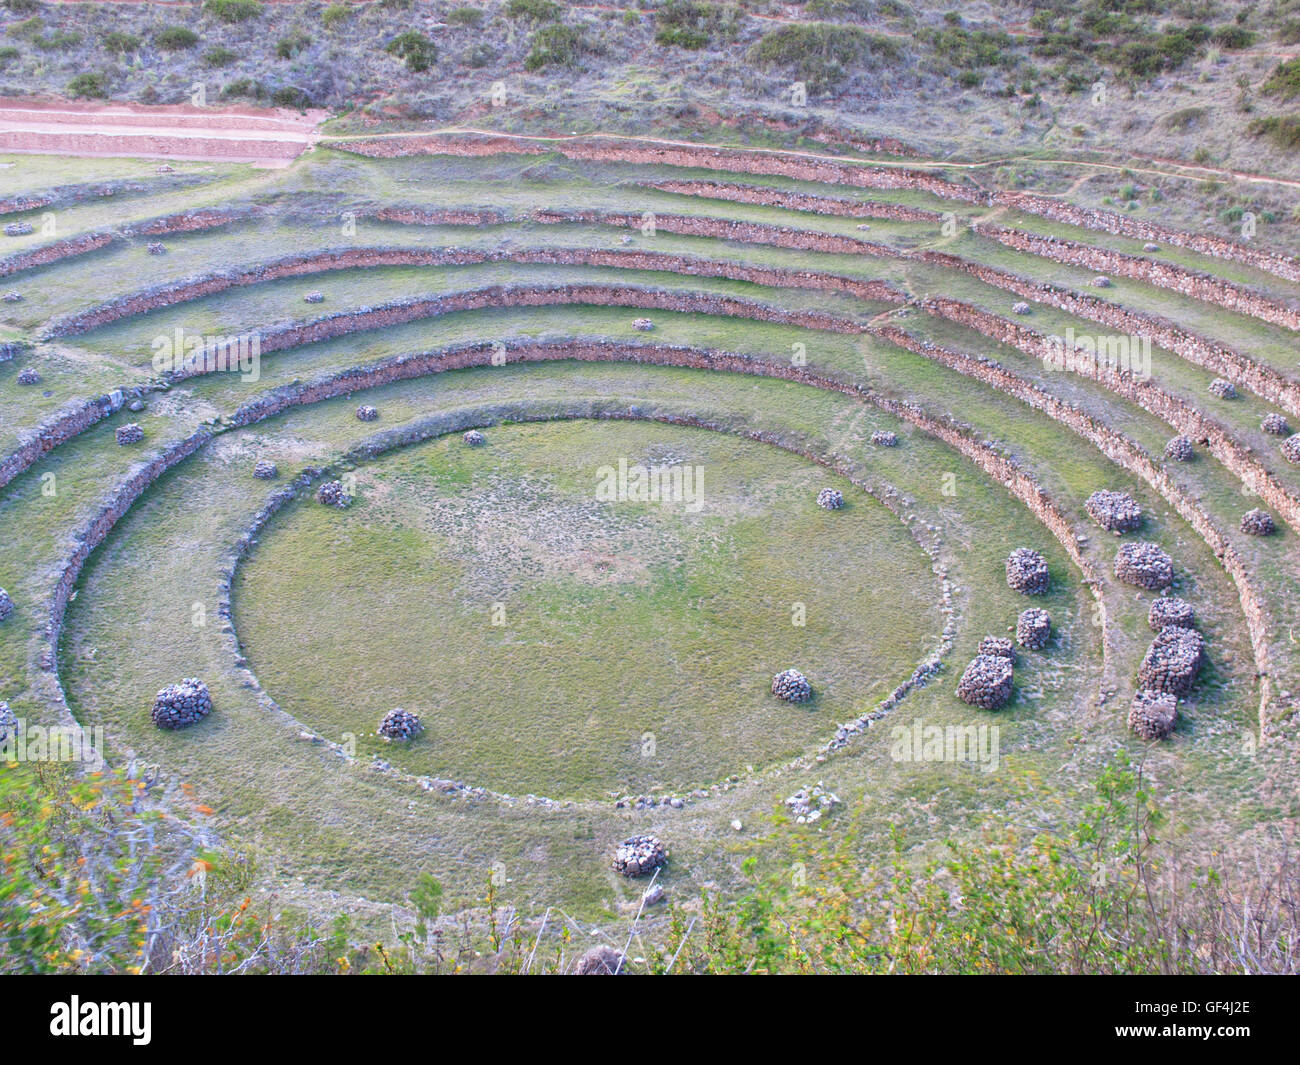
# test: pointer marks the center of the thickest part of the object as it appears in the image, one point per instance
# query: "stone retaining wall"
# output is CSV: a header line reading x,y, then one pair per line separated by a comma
x,y
795,201
74,418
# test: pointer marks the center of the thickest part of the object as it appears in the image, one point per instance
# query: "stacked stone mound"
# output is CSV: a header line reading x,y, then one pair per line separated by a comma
x,y
884,438
18,229
28,376
1144,565
643,325
399,724
6,605
1153,714
474,438
1020,308
314,297
1027,571
1258,523
12,297
181,705
1000,646
332,494
1170,610
792,686
1223,388
1101,281
600,961
8,722
1275,425
639,856
830,499
265,471
1180,449
130,433
1291,448
1034,629
156,248
367,414
1116,512
1150,247
1172,661
986,682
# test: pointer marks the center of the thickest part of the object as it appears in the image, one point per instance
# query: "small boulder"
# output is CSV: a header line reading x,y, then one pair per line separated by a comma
x,y
600,961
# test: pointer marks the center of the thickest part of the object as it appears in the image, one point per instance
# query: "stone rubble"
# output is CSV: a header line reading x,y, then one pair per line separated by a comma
x,y
28,376
474,438
986,682
181,705
1223,388
1116,512
1020,308
1172,661
808,805
830,499
1144,565
1275,425
314,297
1027,571
18,229
130,433
265,470
1258,523
156,248
884,438
643,325
1000,646
367,414
1152,714
639,856
331,493
1170,610
1180,449
399,724
1291,448
6,605
1034,629
792,686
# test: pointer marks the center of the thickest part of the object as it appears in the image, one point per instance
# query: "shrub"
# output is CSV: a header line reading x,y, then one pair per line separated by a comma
x,y
693,23
1284,81
220,56
819,53
8,54
533,10
175,38
248,88
117,43
22,7
1289,31
296,43
89,86
415,48
480,55
27,29
334,14
465,16
1231,37
1282,130
291,96
556,46
233,10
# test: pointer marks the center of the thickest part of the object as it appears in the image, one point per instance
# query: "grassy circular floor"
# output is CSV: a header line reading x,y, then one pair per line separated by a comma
x,y
560,643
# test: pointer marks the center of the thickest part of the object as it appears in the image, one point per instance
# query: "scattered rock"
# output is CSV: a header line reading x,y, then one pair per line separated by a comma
x,y
1144,565
792,686
1172,661
986,682
601,961
265,470
654,895
1180,449
1116,512
830,499
156,248
399,724
1275,425
130,433
181,705
998,645
6,605
1223,388
367,414
28,376
331,493
1027,571
1258,523
12,297
135,406
1152,714
474,438
1034,629
1170,610
643,325
639,856
884,438
808,805
18,229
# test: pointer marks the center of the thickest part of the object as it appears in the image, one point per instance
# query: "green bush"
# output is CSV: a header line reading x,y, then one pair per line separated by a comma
x,y
818,53
415,48
8,54
118,43
89,86
1289,31
335,14
1231,38
556,46
291,96
58,41
1282,130
27,29
233,10
247,88
22,7
480,55
220,56
291,46
694,23
533,10
465,16
1284,81
175,38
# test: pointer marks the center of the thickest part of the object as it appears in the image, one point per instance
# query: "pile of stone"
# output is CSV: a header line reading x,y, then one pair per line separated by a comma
x,y
156,248
130,433
1152,715
1170,610
1034,629
1291,448
884,438
792,686
1020,308
6,605
8,722
1144,565
1258,523
18,229
1027,571
265,470
1150,247
639,856
1275,425
600,961
1180,449
367,414
399,724
643,325
986,682
830,499
808,805
1223,388
181,705
474,438
12,297
1117,512
28,376
1101,281
8,349
998,645
332,494
314,297
1172,661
